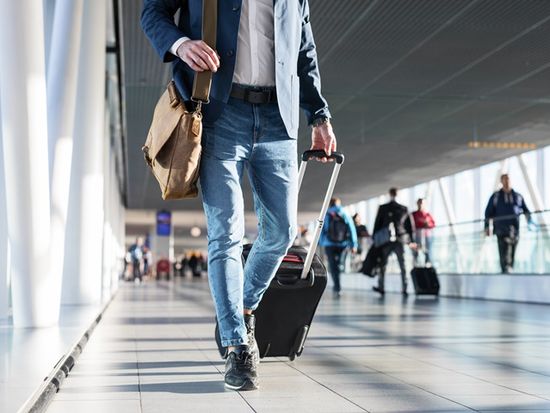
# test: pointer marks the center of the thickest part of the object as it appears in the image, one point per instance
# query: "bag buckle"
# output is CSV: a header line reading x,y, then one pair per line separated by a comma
x,y
173,94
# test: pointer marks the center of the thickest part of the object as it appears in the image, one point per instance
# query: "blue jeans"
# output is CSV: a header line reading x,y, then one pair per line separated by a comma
x,y
251,136
335,258
424,240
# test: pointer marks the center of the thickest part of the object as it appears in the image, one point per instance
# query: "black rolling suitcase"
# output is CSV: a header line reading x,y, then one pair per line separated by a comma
x,y
287,307
286,311
425,281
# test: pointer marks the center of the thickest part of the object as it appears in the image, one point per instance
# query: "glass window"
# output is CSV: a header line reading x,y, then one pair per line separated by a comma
x,y
464,196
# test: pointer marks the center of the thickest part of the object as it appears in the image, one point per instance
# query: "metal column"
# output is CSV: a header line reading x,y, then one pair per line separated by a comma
x,y
61,86
83,265
24,130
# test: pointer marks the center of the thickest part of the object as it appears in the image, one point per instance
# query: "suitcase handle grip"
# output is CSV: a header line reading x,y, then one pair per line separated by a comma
x,y
316,153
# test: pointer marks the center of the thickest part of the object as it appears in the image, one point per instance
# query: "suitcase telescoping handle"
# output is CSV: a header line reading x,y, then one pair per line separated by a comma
x,y
339,160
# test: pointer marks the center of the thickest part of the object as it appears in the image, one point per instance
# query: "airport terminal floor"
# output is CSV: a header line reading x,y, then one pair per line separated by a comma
x,y
154,352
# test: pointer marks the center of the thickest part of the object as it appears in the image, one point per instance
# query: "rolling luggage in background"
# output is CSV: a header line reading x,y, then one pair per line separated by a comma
x,y
284,315
425,281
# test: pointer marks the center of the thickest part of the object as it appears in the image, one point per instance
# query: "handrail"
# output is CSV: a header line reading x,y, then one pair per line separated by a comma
x,y
482,220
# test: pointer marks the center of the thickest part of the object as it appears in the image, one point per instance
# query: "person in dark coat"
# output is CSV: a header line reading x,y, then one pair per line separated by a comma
x,y
504,208
393,225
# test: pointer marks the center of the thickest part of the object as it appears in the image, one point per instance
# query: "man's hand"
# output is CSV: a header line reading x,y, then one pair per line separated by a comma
x,y
354,250
413,246
487,232
322,138
198,56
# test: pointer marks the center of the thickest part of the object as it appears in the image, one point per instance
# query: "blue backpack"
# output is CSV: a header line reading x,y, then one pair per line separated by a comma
x,y
338,230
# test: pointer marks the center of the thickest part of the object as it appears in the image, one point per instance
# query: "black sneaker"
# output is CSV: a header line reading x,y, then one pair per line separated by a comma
x,y
250,324
240,370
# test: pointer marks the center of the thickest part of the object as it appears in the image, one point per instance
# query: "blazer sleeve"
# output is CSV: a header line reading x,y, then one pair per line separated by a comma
x,y
378,220
311,100
157,21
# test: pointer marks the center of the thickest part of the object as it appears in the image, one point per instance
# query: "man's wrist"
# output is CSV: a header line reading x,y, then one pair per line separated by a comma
x,y
323,120
177,44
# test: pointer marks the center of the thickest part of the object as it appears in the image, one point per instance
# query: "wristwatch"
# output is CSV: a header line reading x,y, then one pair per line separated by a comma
x,y
320,121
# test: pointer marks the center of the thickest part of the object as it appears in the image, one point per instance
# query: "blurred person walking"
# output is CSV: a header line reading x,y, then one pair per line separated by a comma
x,y
337,235
504,208
136,255
393,230
362,233
196,263
423,224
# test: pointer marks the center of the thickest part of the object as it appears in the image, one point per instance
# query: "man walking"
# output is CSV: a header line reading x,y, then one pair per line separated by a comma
x,y
504,208
337,235
265,68
394,224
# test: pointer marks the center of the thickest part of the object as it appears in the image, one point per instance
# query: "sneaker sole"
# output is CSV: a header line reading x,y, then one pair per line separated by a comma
x,y
247,385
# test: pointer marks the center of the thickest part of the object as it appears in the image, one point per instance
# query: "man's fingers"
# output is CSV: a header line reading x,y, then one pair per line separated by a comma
x,y
199,56
197,64
328,148
202,58
209,55
196,68
212,53
199,61
208,60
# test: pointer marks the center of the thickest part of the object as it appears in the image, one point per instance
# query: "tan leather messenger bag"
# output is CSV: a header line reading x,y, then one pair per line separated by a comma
x,y
173,145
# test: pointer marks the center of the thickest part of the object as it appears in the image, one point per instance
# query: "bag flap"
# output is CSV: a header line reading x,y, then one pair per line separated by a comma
x,y
166,118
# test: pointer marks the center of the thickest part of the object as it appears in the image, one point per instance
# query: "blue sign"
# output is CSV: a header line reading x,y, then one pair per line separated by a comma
x,y
164,223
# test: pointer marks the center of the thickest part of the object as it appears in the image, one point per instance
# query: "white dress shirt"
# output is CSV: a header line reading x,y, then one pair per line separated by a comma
x,y
255,58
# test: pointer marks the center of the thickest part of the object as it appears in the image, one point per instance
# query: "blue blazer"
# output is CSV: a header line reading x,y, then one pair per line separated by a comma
x,y
296,74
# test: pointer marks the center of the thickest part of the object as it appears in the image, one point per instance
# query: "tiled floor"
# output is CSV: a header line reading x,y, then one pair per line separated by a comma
x,y
154,352
28,355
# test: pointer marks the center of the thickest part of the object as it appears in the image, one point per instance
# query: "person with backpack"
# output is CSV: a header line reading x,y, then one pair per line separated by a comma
x,y
504,208
337,235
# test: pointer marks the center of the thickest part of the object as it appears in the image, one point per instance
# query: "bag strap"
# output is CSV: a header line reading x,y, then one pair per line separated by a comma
x,y
203,80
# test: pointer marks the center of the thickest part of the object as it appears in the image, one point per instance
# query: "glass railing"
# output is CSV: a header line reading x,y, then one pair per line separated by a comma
x,y
464,248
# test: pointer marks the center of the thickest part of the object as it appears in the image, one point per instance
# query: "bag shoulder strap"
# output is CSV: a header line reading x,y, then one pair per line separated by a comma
x,y
203,80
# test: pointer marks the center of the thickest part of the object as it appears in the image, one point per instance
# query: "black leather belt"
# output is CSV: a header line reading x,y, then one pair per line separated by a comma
x,y
256,95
